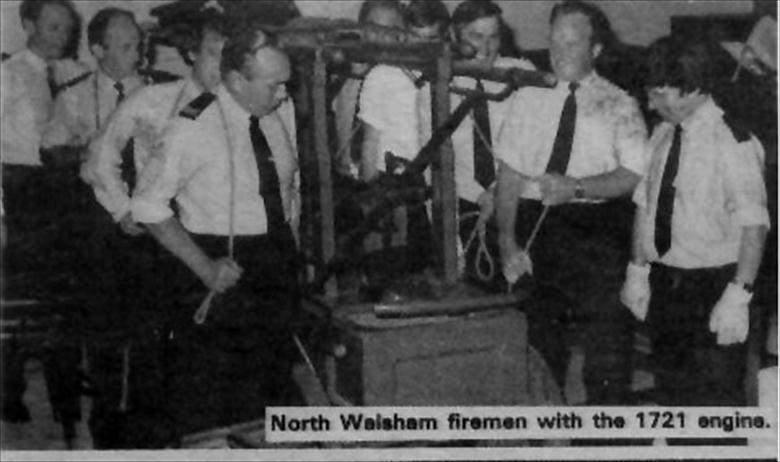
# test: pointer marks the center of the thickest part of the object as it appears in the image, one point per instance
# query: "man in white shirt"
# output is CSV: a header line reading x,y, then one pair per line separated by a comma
x,y
232,170
126,287
574,148
477,24
30,78
699,234
81,111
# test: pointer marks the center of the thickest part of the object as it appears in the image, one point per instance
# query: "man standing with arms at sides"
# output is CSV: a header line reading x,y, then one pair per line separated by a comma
x,y
574,149
231,169
699,235
127,282
30,79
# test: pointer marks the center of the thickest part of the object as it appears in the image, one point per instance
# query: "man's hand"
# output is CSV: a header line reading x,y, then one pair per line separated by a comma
x,y
130,227
635,293
515,262
730,316
556,189
487,206
224,274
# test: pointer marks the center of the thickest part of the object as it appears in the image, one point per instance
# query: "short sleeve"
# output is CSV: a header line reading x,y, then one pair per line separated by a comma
x,y
631,138
746,196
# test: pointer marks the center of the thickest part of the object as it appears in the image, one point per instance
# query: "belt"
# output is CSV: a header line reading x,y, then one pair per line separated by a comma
x,y
675,276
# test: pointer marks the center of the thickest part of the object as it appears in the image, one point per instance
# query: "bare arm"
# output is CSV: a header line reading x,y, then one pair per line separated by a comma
x,y
558,189
217,275
637,252
370,153
751,250
508,186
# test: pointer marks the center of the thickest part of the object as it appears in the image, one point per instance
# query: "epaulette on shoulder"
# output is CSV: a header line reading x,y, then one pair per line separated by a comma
x,y
72,82
195,107
738,129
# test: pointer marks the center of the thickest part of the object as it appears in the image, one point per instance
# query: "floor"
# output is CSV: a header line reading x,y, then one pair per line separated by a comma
x,y
42,433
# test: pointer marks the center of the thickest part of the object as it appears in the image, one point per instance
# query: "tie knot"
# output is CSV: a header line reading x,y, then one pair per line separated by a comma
x,y
254,121
573,86
119,87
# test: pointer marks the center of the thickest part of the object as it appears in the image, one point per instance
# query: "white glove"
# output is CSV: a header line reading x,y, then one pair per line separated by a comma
x,y
635,293
730,317
516,265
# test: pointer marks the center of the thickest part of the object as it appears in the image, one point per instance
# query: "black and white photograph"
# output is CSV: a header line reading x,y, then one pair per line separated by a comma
x,y
389,229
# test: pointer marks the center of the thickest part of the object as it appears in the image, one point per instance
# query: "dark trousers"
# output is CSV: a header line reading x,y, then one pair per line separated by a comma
x,y
43,260
125,331
690,368
240,359
579,256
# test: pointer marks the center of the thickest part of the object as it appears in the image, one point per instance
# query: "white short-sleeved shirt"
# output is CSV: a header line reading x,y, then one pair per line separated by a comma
x,y
388,102
719,189
142,116
609,131
193,166
27,103
81,111
463,137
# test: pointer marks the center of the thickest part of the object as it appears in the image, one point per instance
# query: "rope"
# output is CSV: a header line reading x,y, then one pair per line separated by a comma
x,y
125,376
203,309
482,254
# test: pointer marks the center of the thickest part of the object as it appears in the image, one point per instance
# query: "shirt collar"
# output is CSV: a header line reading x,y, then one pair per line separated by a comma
x,y
38,63
706,112
583,82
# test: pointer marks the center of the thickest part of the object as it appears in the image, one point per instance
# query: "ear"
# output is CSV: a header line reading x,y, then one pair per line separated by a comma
x,y
596,50
97,51
29,27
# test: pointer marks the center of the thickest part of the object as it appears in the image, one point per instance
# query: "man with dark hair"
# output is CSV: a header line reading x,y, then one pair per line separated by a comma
x,y
571,151
81,111
699,233
126,282
231,167
428,19
30,79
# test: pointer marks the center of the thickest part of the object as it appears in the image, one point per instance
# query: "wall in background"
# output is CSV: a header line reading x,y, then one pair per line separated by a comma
x,y
635,22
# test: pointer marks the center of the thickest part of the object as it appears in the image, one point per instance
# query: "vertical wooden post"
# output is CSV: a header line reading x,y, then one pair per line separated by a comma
x,y
443,174
318,107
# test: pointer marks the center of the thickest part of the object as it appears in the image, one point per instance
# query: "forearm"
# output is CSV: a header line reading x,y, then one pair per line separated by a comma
x,y
751,250
173,237
638,256
617,183
370,153
507,198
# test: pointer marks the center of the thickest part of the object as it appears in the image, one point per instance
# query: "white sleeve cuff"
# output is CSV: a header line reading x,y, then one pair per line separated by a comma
x,y
145,211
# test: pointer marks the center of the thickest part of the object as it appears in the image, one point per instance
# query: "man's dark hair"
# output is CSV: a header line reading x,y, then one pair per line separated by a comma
x,y
426,13
30,10
601,31
470,10
686,66
192,38
244,40
370,5
98,25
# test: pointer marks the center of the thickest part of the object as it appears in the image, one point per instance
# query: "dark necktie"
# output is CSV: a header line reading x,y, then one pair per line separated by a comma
x,y
356,144
561,151
663,213
269,179
51,80
120,92
484,166
127,167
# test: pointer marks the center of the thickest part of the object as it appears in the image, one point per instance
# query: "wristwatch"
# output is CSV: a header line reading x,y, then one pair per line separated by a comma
x,y
579,191
747,287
